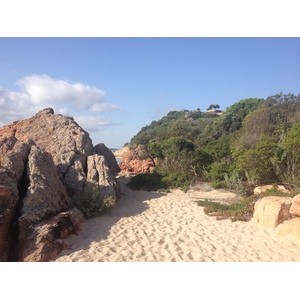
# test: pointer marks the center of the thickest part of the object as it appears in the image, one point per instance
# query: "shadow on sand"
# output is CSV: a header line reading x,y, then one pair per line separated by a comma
x,y
130,204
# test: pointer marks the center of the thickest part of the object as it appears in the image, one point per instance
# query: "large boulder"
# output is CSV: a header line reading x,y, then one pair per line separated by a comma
x,y
68,144
45,163
45,239
12,186
46,197
271,211
111,161
99,174
290,229
295,207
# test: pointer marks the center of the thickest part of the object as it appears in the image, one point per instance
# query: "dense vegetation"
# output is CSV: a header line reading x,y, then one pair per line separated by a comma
x,y
255,141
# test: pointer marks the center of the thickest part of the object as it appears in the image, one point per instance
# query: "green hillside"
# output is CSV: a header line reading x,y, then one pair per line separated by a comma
x,y
255,141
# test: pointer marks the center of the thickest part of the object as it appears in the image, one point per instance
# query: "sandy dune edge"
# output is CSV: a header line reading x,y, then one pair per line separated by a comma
x,y
158,227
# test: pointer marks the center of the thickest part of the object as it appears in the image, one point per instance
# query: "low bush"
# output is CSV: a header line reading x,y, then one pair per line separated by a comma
x,y
218,184
234,181
92,203
241,211
147,181
174,180
275,191
217,171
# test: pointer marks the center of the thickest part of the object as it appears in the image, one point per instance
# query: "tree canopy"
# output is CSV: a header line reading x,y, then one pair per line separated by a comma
x,y
258,139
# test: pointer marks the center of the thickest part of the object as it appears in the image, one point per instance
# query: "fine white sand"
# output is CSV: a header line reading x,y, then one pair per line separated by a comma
x,y
171,227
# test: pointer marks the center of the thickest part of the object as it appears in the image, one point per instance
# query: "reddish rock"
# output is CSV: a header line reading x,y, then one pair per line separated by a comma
x,y
131,163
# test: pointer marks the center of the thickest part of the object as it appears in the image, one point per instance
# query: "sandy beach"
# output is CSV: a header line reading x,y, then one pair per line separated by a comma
x,y
171,227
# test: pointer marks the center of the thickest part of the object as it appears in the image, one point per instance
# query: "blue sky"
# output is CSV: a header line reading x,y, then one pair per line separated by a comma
x,y
115,86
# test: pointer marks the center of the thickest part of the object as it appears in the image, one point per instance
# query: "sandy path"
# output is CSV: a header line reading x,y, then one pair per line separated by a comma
x,y
158,227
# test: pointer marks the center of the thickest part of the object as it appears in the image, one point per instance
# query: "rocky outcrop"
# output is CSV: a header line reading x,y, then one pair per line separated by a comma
x,y
111,162
12,187
45,162
45,240
120,152
46,197
271,211
99,174
68,144
131,163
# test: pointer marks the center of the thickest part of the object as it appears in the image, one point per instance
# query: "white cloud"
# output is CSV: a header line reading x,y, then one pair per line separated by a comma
x,y
85,103
43,89
92,123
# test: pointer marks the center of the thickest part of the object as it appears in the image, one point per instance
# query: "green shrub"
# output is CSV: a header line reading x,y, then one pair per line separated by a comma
x,y
218,184
159,182
217,171
174,180
92,203
274,191
234,181
241,211
147,181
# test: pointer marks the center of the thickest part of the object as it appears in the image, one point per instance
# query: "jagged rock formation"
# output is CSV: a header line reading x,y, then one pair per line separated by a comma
x,y
112,164
68,143
100,174
45,162
131,163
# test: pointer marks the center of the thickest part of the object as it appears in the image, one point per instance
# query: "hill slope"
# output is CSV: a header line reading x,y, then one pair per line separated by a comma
x,y
254,140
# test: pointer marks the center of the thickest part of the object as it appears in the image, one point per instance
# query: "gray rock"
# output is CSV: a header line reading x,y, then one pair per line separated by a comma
x,y
100,174
46,196
58,135
45,162
11,187
101,149
45,240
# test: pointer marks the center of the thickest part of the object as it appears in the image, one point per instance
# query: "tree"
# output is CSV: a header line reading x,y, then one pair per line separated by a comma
x,y
178,155
287,161
257,162
274,117
213,106
153,150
